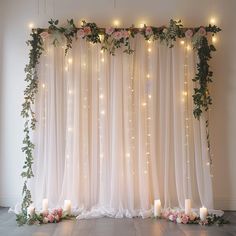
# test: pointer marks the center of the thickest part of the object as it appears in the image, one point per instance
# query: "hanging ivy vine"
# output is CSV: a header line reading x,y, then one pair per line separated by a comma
x,y
110,40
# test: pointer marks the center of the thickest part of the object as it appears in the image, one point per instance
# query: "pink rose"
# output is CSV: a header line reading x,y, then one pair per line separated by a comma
x,y
125,34
59,212
148,30
109,30
202,31
44,35
87,30
45,220
117,35
185,219
45,213
188,33
54,212
80,33
50,218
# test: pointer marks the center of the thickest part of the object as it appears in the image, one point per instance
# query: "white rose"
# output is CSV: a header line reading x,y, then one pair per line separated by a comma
x,y
179,220
171,218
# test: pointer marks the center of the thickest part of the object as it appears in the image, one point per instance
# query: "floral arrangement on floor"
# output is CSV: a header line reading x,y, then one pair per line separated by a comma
x,y
179,216
45,217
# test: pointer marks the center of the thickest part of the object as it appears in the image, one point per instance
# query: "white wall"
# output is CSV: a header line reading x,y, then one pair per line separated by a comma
x,y
14,19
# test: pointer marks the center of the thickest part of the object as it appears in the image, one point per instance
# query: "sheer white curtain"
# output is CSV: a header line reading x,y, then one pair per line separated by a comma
x,y
116,132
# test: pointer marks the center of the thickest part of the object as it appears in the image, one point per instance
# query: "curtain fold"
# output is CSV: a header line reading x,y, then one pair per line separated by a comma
x,y
116,132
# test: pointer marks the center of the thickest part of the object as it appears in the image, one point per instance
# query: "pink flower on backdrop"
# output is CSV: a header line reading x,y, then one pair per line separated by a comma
x,y
59,212
185,219
54,212
87,30
109,30
117,35
148,30
44,35
45,220
125,34
80,33
188,33
202,31
50,218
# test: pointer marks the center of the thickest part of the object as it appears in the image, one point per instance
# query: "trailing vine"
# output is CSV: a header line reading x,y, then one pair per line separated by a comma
x,y
110,40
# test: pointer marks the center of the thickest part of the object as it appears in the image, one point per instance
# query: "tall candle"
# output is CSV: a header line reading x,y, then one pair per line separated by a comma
x,y
187,206
45,204
157,207
67,206
203,213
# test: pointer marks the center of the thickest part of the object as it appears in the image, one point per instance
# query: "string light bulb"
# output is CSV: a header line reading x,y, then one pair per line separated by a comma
x,y
182,42
142,25
212,20
149,49
43,85
102,60
214,39
70,60
116,23
31,25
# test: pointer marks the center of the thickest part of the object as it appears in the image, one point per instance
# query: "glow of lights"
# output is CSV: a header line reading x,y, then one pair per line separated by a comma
x,y
101,96
43,85
84,64
147,153
101,51
149,96
127,154
208,163
69,129
145,172
185,93
31,25
149,41
188,48
149,118
70,91
149,135
101,37
182,42
70,60
149,49
133,137
214,39
102,112
148,76
66,68
141,25
101,156
212,20
116,23
144,104
102,59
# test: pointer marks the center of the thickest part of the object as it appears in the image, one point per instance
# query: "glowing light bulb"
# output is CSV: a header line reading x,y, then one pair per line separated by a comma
x,y
149,135
116,23
127,154
84,64
149,49
185,93
70,60
149,96
144,104
69,129
70,92
149,118
102,60
102,112
101,96
43,85
188,48
31,25
145,172
133,137
212,20
101,51
182,42
214,39
208,163
149,41
101,156
66,68
148,76
142,25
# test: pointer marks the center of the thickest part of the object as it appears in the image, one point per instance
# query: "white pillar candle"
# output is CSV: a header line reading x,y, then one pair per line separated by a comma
x,y
187,206
157,208
67,206
30,211
45,204
203,213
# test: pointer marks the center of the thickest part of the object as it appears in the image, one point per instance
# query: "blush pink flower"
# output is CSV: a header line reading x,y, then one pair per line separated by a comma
x,y
185,219
188,33
44,35
125,34
45,220
87,30
54,212
50,218
148,31
57,218
117,35
45,213
202,31
109,30
80,33
59,212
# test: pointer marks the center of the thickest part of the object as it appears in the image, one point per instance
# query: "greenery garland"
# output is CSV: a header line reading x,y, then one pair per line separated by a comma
x,y
110,40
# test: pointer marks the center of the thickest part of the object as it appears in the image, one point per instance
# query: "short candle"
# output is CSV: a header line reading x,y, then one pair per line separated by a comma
x,y
67,206
157,208
203,213
45,204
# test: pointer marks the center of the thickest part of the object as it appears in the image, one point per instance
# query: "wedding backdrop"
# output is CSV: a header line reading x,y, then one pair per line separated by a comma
x,y
122,119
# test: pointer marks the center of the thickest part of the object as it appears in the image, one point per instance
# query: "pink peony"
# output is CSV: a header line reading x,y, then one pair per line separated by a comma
x,y
45,220
45,213
117,35
50,218
59,212
192,217
54,212
109,30
44,35
202,31
148,31
80,33
125,34
87,30
185,219
188,33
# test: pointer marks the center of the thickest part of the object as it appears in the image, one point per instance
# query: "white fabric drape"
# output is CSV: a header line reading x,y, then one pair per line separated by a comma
x,y
116,132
